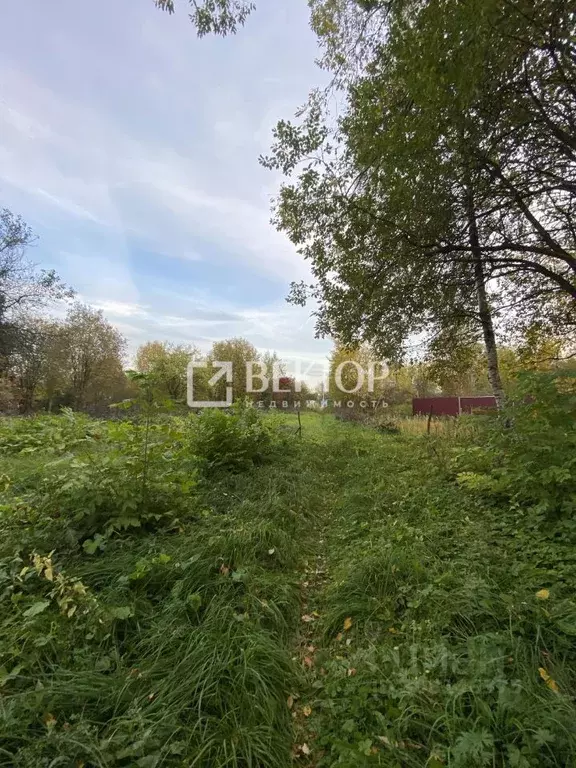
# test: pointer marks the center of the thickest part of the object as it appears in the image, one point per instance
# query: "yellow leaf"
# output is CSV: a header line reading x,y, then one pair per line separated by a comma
x,y
306,711
543,594
552,684
49,720
347,624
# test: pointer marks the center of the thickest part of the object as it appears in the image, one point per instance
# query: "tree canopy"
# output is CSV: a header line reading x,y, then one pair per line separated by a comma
x,y
441,198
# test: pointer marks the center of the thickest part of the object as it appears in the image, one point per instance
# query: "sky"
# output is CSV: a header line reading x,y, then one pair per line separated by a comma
x,y
131,148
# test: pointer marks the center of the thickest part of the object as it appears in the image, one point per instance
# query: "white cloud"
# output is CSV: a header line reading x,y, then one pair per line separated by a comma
x,y
143,139
88,167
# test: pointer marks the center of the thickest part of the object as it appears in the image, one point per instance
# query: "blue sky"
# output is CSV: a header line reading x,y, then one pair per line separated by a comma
x,y
131,147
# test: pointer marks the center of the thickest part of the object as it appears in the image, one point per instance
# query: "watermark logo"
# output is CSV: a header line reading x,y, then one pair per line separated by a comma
x,y
257,380
224,369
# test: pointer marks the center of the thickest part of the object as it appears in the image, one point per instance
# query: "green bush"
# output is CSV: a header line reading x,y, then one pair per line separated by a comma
x,y
137,477
48,434
235,440
528,455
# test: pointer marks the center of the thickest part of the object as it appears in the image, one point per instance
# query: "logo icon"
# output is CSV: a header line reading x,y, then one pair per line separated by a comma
x,y
225,369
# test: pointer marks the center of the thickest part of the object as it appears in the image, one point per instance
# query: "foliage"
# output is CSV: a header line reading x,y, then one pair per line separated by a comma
x,y
233,440
440,202
159,641
21,286
361,599
167,363
446,625
530,457
47,434
218,17
96,350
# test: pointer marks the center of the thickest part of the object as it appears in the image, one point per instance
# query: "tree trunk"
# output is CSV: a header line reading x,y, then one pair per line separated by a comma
x,y
483,305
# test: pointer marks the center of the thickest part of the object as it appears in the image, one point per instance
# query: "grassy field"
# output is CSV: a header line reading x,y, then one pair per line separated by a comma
x,y
217,591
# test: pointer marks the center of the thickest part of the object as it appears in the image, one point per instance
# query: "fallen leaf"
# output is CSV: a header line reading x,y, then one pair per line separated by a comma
x,y
290,702
307,711
543,594
307,618
49,720
351,672
224,570
347,624
309,662
552,684
339,636
305,749
271,551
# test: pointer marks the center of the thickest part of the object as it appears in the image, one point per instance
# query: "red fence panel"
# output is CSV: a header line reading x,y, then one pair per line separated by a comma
x,y
438,406
450,406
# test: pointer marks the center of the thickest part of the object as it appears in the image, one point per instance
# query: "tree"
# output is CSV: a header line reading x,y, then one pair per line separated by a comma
x,y
168,364
239,352
28,361
220,17
442,201
22,287
95,355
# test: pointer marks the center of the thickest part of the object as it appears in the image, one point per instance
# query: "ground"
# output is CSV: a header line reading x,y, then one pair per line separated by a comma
x,y
342,599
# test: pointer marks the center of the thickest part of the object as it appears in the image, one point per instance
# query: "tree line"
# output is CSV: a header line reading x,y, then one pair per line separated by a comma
x,y
435,204
80,361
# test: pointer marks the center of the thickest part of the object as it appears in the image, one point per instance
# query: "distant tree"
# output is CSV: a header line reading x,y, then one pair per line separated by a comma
x,y
23,288
56,369
29,360
349,369
168,364
95,356
239,352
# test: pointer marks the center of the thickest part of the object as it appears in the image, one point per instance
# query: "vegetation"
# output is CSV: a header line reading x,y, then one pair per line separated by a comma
x,y
214,590
439,201
238,589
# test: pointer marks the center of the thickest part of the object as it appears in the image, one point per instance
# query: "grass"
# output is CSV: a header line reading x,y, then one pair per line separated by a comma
x,y
340,599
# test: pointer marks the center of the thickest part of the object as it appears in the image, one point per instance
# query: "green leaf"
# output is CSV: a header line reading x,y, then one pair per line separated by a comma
x,y
36,608
121,612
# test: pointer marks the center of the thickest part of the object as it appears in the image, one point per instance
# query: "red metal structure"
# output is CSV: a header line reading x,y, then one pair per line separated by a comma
x,y
450,406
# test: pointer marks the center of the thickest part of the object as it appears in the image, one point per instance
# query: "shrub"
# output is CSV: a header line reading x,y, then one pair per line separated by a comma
x,y
234,440
143,479
529,453
48,434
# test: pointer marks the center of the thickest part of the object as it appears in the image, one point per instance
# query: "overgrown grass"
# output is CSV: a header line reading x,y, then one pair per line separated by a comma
x,y
446,632
166,640
352,597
